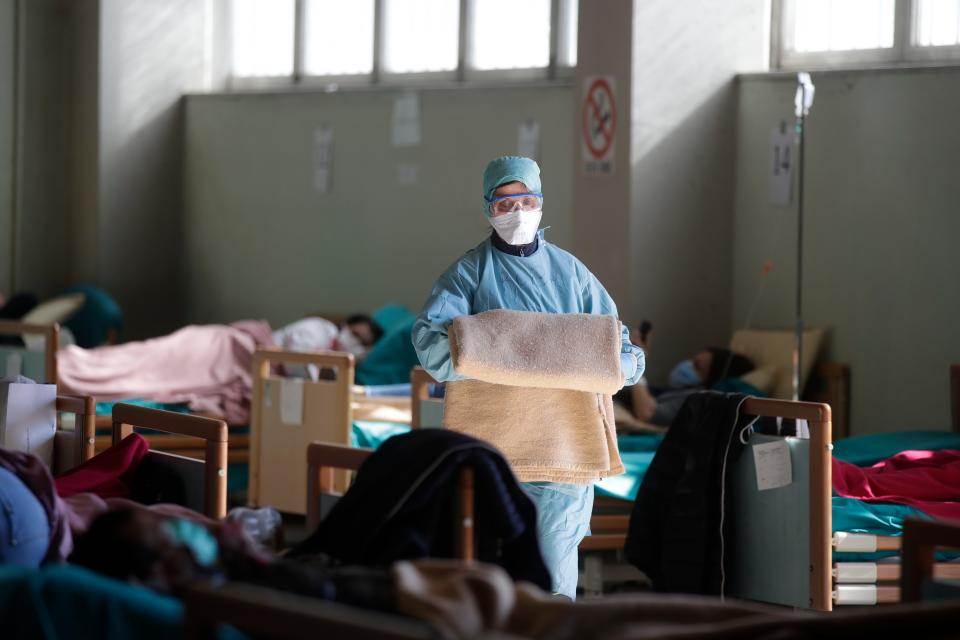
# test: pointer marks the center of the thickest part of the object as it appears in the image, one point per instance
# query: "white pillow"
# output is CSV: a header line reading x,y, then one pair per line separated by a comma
x,y
52,311
764,379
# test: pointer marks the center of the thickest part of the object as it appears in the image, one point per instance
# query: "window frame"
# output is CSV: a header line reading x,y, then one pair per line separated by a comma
x,y
560,49
904,52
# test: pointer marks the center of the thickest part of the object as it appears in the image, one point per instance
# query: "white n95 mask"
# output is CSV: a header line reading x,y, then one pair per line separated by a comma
x,y
350,343
517,227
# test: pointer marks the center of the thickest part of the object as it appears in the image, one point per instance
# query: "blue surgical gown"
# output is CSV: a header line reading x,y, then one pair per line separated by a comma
x,y
549,280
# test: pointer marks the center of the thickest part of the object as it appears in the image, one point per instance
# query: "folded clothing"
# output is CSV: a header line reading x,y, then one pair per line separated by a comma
x,y
547,435
575,351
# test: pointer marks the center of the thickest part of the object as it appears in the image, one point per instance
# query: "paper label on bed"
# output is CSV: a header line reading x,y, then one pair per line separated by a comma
x,y
291,401
772,460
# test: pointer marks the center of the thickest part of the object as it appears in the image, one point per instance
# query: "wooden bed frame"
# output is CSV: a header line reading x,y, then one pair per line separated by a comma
x,y
74,447
210,472
327,415
921,538
324,458
209,476
269,613
51,335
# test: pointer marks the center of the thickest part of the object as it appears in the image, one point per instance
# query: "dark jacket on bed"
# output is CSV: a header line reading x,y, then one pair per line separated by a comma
x,y
674,534
402,505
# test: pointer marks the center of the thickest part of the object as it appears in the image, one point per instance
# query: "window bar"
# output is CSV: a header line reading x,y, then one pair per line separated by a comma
x,y
299,33
466,17
378,44
903,28
776,34
554,39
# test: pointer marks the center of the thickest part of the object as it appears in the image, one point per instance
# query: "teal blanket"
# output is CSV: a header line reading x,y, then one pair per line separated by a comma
x,y
870,449
70,602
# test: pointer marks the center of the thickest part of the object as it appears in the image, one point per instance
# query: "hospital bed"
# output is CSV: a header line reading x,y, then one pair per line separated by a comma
x,y
919,580
204,482
269,613
323,489
286,414
859,582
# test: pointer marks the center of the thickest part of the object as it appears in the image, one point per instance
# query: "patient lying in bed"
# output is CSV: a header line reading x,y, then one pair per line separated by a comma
x,y
206,367
710,368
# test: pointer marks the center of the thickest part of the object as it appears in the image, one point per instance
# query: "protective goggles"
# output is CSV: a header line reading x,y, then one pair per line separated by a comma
x,y
515,202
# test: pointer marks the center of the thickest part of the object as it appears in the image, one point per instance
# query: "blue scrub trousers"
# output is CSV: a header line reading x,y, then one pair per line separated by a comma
x,y
24,529
563,519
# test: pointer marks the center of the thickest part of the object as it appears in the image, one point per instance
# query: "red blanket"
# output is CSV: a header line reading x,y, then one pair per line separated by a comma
x,y
107,473
926,480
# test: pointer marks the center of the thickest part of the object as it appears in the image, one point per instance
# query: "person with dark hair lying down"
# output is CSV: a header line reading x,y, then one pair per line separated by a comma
x,y
709,368
205,366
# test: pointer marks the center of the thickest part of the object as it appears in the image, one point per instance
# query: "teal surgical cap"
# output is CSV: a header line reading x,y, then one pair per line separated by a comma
x,y
506,169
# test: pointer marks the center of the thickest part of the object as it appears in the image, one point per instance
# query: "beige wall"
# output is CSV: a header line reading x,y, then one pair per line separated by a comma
x,y
682,154
260,241
151,53
882,193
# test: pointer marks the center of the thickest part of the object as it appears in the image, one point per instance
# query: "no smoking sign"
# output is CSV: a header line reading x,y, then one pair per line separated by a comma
x,y
598,124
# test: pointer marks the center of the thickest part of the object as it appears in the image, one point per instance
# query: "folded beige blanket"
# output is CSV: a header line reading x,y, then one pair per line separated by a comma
x,y
540,391
574,351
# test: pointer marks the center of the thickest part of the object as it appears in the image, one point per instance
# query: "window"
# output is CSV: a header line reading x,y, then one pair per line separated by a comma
x,y
340,37
421,35
382,41
262,37
825,33
522,41
938,23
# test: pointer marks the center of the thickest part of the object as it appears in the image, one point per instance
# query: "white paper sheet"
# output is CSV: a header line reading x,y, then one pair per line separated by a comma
x,y
772,460
406,120
781,167
528,139
322,158
291,401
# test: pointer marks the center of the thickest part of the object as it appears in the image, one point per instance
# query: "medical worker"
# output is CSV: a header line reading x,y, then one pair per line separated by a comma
x,y
516,268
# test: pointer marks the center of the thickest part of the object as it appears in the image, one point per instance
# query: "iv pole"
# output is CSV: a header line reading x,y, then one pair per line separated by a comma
x,y
803,100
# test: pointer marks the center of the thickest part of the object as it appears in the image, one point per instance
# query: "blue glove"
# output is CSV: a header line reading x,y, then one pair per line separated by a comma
x,y
628,365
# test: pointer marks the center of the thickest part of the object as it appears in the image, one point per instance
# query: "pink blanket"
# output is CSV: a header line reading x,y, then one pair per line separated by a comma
x,y
205,366
926,480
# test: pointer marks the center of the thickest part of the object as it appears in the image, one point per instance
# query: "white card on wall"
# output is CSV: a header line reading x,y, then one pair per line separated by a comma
x,y
406,120
772,460
528,139
781,167
322,158
291,401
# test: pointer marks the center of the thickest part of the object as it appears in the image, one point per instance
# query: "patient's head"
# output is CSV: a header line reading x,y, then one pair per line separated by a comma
x,y
364,329
709,366
716,363
136,545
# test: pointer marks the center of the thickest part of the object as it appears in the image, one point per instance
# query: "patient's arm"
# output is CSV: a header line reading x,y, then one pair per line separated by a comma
x,y
644,404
